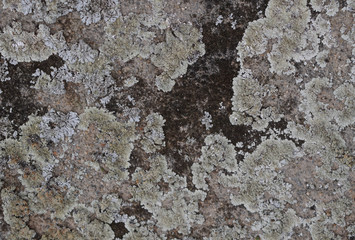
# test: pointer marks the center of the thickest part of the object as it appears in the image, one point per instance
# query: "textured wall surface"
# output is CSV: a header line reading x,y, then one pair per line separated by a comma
x,y
184,119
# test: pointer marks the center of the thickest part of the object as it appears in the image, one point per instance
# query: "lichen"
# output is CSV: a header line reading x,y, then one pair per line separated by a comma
x,y
16,214
126,38
153,138
175,209
182,47
118,136
109,153
217,152
92,11
23,46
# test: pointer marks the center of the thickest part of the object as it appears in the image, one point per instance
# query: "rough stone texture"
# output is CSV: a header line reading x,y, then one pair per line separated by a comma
x,y
186,119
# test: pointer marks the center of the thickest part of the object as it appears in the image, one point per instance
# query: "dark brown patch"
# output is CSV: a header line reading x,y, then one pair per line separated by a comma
x,y
18,97
136,209
119,229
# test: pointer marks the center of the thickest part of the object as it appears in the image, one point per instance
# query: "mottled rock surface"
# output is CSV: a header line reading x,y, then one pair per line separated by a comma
x,y
185,119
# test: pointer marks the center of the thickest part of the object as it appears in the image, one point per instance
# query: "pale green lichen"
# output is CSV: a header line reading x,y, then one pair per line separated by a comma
x,y
16,214
226,232
92,11
56,126
346,93
129,82
48,84
119,137
94,229
22,46
106,209
4,72
181,48
293,38
247,99
79,52
153,138
322,58
285,36
98,84
125,39
256,175
217,152
175,209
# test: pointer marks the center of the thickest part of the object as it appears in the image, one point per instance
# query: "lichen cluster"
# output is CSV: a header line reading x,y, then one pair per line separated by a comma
x,y
97,159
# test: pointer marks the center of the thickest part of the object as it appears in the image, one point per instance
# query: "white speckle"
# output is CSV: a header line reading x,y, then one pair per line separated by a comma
x,y
219,20
234,23
221,106
207,120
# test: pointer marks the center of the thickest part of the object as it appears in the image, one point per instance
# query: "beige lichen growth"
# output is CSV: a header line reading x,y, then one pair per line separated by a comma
x,y
107,208
91,229
287,22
